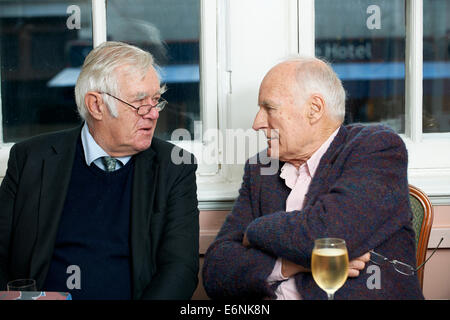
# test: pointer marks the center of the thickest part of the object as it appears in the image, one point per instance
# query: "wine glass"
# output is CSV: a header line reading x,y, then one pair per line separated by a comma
x,y
329,264
22,285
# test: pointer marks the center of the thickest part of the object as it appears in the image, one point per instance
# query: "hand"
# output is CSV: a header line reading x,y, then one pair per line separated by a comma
x,y
288,268
245,241
357,264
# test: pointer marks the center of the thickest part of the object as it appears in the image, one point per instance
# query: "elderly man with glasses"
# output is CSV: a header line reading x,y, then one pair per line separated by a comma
x,y
100,210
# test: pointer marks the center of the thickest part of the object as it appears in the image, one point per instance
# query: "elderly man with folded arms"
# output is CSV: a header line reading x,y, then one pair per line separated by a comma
x,y
100,210
338,181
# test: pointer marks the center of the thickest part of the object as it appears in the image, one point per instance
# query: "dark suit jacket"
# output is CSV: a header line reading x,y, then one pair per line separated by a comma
x,y
359,193
164,215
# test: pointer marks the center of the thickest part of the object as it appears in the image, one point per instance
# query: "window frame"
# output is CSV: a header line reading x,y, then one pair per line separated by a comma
x,y
430,173
208,79
210,176
218,184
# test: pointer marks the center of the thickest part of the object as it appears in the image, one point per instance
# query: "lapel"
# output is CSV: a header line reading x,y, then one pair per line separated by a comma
x,y
56,171
323,179
272,189
143,193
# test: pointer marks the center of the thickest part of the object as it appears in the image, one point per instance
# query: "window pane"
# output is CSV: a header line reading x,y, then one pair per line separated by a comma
x,y
365,42
170,30
40,44
436,66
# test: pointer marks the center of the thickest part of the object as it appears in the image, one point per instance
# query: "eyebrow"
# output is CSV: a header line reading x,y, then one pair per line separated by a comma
x,y
140,96
269,104
143,95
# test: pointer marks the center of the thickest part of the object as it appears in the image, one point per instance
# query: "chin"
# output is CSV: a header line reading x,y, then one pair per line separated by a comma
x,y
273,153
144,144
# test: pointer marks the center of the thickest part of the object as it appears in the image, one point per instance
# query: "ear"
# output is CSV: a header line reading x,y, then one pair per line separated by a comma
x,y
316,108
95,105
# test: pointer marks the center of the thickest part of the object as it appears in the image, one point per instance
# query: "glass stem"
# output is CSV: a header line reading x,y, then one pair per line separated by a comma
x,y
330,296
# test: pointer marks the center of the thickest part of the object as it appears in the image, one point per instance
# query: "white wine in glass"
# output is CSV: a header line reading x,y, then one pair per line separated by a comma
x,y
329,264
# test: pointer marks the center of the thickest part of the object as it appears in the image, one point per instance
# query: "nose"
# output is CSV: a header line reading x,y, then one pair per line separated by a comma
x,y
260,121
153,114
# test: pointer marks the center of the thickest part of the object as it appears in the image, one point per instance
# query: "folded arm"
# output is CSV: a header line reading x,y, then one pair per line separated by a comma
x,y
290,269
362,206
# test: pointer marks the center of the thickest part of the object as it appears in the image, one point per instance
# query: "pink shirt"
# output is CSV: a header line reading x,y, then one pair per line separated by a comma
x,y
298,181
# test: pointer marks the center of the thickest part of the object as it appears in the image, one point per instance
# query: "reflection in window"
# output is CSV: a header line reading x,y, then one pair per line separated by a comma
x,y
436,66
365,42
37,53
170,30
41,56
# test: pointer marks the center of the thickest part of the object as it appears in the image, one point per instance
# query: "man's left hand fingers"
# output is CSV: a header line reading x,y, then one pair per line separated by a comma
x,y
356,264
365,257
353,273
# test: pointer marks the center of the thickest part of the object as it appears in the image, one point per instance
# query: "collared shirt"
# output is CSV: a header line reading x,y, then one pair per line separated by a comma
x,y
94,153
298,180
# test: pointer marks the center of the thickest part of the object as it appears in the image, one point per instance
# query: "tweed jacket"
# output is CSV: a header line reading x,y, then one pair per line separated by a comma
x,y
359,193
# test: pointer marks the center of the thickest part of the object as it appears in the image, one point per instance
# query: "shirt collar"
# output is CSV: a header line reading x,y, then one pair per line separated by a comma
x,y
92,151
314,161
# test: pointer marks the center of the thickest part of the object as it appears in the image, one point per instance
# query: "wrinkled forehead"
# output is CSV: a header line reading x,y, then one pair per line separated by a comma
x,y
133,72
130,78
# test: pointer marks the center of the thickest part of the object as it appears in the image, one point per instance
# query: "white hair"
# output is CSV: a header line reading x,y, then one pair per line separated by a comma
x,y
99,72
315,75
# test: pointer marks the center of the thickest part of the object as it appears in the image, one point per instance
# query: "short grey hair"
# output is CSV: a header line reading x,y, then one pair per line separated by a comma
x,y
99,72
316,75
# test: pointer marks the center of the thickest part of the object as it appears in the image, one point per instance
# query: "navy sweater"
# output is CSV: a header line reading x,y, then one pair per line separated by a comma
x,y
93,234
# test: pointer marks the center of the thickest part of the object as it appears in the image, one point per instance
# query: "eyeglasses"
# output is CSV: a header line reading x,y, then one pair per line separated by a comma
x,y
144,109
399,266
